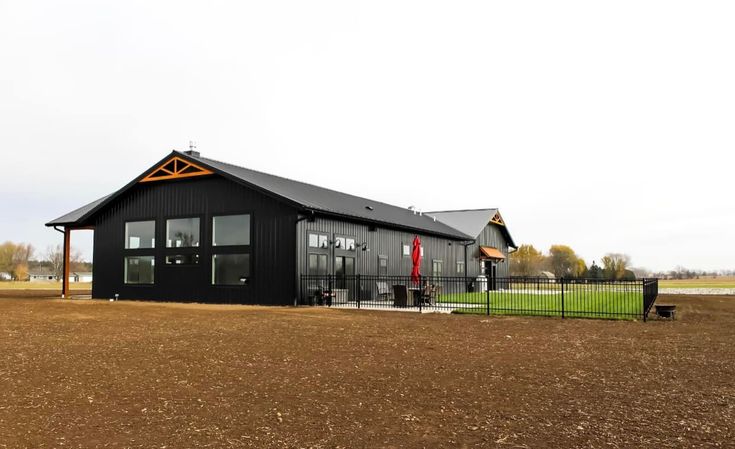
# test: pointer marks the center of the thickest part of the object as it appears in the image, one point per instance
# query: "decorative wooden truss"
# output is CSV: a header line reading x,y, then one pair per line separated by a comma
x,y
497,219
176,168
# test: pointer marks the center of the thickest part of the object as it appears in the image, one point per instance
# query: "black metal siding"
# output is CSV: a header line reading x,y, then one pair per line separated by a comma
x,y
273,243
388,242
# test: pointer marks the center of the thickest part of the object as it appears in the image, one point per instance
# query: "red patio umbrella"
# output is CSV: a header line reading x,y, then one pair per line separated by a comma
x,y
416,257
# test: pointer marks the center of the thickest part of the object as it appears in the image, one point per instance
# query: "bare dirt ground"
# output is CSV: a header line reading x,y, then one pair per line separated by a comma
x,y
88,374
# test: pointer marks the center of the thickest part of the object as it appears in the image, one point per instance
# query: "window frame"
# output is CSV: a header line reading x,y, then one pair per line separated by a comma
x,y
140,252
228,214
248,277
202,243
434,262
142,220
318,234
139,256
459,267
381,258
212,250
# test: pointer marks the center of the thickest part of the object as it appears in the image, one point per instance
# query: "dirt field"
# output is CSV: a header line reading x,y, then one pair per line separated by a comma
x,y
87,374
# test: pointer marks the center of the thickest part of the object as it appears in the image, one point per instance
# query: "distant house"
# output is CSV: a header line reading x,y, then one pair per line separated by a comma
x,y
42,275
81,276
5,276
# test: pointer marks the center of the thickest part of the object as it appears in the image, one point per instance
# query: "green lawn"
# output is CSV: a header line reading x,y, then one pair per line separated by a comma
x,y
586,304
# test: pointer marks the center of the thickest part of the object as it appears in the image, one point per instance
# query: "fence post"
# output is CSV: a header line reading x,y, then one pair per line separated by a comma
x,y
421,292
562,296
359,289
643,287
487,301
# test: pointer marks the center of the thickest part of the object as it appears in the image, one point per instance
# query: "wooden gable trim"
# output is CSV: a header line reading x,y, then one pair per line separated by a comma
x,y
497,219
176,168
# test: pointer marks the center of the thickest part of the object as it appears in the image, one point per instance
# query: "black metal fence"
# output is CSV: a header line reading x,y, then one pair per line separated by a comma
x,y
583,298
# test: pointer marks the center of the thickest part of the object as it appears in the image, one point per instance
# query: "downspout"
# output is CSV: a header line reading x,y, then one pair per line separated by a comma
x,y
309,215
466,244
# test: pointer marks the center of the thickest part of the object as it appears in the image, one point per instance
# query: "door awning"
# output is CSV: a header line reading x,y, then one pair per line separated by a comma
x,y
488,252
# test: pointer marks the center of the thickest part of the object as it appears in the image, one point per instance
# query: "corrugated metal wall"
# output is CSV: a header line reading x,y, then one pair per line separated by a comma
x,y
273,249
388,243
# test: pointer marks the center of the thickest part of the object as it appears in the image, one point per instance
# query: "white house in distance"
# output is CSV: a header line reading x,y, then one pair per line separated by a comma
x,y
5,276
46,275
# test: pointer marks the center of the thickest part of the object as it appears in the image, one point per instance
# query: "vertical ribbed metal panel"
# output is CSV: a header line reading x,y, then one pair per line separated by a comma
x,y
388,242
273,243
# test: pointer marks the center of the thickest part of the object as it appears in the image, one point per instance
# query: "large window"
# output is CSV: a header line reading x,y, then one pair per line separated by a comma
x,y
182,233
230,269
231,230
317,264
436,267
139,269
140,234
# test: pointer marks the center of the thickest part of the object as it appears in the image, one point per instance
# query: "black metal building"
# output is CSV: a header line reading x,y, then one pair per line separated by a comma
x,y
195,229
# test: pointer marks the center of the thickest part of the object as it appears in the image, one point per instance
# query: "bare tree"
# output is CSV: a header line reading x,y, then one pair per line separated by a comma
x,y
55,257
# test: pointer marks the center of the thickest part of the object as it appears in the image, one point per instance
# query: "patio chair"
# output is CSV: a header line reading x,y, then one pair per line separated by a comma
x,y
428,294
384,292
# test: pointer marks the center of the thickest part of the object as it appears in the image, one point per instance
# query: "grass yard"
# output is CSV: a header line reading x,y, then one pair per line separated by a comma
x,y
577,303
703,282
100,374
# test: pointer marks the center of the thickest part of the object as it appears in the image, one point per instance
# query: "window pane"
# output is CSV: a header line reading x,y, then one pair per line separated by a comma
x,y
140,234
182,259
314,240
350,244
313,264
406,250
229,269
323,241
231,230
139,270
322,264
339,242
182,232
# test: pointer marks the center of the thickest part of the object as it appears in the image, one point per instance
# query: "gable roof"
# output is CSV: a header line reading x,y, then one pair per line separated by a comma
x,y
301,195
471,221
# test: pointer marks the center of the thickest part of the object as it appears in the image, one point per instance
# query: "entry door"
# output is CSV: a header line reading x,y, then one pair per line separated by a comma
x,y
491,272
343,267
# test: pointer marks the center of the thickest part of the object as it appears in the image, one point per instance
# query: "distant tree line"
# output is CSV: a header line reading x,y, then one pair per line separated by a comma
x,y
562,261
17,261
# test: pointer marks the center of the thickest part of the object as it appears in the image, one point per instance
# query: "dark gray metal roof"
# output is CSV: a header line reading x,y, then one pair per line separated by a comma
x,y
330,201
74,216
470,222
300,194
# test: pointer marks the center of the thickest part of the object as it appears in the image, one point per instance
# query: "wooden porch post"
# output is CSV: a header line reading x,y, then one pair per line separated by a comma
x,y
67,251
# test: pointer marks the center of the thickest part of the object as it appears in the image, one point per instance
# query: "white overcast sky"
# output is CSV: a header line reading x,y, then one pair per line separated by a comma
x,y
608,126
